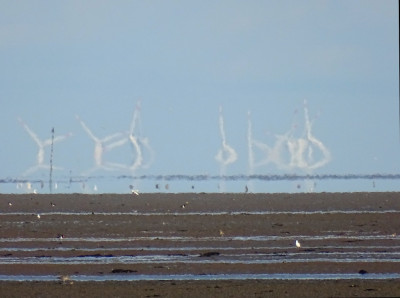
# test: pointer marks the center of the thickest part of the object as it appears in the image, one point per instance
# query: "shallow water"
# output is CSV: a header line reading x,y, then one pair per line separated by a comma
x,y
208,277
136,213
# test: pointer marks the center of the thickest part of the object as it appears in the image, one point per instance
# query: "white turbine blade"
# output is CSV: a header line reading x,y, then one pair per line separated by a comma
x,y
115,144
88,131
138,160
113,136
30,132
112,166
250,144
227,154
135,118
59,138
313,140
144,143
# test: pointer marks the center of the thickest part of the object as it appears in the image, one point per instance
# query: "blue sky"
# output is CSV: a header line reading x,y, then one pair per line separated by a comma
x,y
183,60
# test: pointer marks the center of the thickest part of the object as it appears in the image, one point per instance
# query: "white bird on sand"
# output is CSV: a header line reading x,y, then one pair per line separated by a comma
x,y
298,245
64,278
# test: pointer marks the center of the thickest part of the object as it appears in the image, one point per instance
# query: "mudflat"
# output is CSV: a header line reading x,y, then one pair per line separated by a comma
x,y
349,244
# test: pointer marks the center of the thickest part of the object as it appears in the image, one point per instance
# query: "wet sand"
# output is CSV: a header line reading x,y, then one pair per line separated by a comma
x,y
206,234
253,288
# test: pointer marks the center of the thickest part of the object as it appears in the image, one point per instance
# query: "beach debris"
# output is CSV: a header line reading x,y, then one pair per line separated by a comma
x,y
221,233
96,256
60,236
362,271
9,204
298,245
38,216
123,271
52,204
209,254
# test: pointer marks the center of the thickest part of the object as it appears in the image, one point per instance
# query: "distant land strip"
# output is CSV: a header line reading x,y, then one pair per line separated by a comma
x,y
204,177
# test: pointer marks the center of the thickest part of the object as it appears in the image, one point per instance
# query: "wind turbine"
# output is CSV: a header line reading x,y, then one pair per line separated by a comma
x,y
42,144
302,149
226,155
136,148
270,154
101,146
139,143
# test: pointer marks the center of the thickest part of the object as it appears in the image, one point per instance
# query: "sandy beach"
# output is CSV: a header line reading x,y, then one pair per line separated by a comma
x,y
353,236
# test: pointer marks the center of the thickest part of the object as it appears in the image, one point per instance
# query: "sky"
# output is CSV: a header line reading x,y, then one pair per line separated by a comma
x,y
317,81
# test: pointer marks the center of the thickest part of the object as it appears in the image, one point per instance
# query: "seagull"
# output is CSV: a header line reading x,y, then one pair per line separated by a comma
x,y
298,245
64,278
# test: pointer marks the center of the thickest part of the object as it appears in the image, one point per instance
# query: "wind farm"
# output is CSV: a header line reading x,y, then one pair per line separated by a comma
x,y
124,159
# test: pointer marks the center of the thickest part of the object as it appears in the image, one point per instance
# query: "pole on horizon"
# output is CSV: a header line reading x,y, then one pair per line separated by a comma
x,y
51,161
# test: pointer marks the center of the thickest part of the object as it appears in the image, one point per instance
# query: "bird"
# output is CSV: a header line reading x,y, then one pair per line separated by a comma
x,y
65,279
38,216
298,245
